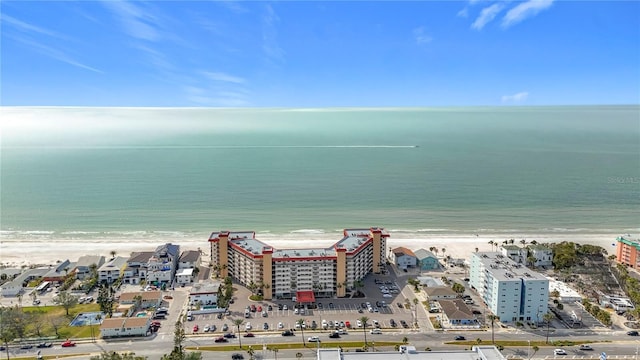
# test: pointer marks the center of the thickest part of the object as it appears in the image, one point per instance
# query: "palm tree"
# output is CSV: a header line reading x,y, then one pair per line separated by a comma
x,y
547,318
493,318
238,323
301,323
443,251
364,320
491,242
535,349
477,249
523,242
113,254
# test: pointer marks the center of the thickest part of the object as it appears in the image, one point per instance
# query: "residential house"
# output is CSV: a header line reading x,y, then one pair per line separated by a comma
x,y
125,326
189,259
515,253
456,313
163,264
84,263
112,270
440,293
148,299
16,286
542,254
59,271
136,270
205,294
184,276
403,257
427,260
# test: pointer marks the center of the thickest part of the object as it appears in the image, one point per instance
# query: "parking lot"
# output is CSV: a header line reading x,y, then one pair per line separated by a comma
x,y
283,315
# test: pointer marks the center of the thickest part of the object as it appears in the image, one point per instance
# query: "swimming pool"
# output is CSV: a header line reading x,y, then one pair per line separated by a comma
x,y
90,318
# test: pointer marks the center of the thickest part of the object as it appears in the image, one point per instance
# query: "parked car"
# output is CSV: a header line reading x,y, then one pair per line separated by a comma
x,y
225,327
68,343
247,326
259,308
585,347
314,339
393,323
280,325
347,324
265,326
559,352
206,328
221,339
404,324
195,328
459,337
269,307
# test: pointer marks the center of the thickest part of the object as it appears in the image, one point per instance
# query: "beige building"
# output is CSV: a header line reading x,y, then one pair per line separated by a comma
x,y
281,272
125,326
148,299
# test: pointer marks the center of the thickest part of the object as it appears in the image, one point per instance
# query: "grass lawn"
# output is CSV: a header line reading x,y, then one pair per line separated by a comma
x,y
46,315
296,345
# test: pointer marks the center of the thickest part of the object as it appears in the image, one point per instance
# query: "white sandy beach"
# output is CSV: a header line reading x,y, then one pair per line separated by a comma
x,y
15,253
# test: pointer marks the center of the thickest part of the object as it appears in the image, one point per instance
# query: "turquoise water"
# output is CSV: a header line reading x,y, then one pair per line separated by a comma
x,y
91,172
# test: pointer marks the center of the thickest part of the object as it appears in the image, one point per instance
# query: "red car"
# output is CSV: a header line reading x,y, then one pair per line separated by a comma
x,y
221,340
347,324
259,309
68,343
195,328
249,335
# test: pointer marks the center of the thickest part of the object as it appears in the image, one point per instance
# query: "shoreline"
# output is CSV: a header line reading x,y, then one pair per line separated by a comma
x,y
39,251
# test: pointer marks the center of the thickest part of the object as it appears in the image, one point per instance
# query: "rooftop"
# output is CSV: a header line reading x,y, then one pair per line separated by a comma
x,y
476,353
456,309
113,264
423,254
440,291
140,257
88,260
190,256
629,240
504,269
146,295
403,251
125,322
207,287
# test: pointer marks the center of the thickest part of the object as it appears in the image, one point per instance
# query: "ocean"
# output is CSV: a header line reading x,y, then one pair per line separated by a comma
x,y
166,173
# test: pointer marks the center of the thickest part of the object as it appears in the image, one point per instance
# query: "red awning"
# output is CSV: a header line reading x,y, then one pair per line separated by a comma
x,y
305,296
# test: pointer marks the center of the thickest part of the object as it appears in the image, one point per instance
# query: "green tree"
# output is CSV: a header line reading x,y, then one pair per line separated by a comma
x,y
7,331
301,323
251,352
458,288
66,300
178,352
105,299
238,323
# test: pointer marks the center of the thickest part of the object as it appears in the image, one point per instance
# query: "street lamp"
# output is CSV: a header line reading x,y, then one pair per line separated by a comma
x,y
529,349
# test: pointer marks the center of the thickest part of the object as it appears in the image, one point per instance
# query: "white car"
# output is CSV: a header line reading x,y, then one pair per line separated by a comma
x,y
358,323
280,325
313,339
206,328
375,331
559,352
296,311
247,326
387,295
285,307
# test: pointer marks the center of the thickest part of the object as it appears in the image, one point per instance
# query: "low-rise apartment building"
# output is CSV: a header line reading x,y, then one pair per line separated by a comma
x,y
161,267
510,290
282,272
112,270
403,257
84,264
125,326
136,270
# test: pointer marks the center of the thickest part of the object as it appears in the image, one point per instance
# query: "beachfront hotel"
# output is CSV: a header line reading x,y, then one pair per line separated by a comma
x,y
280,273
627,251
511,291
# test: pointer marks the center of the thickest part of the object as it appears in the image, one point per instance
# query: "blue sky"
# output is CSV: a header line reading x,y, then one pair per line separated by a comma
x,y
319,54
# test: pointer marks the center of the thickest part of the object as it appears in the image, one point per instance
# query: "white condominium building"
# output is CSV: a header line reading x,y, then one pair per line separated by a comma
x,y
510,290
282,272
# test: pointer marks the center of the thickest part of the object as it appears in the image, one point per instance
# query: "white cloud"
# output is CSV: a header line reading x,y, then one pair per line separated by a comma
x,y
525,10
29,28
218,76
487,15
137,22
463,13
420,36
515,98
270,44
54,53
